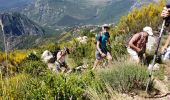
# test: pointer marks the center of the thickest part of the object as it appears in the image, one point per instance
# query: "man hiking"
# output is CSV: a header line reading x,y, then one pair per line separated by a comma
x,y
101,46
166,13
136,46
61,60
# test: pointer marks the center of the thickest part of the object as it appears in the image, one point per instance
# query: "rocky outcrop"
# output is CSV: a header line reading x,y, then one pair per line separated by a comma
x,y
15,24
17,29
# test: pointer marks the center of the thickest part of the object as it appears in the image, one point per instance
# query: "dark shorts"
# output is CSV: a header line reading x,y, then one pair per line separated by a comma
x,y
98,55
63,64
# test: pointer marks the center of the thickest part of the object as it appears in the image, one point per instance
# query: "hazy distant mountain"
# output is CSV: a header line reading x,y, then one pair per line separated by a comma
x,y
17,24
61,13
56,14
77,12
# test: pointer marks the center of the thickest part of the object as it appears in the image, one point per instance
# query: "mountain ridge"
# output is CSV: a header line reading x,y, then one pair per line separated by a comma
x,y
50,13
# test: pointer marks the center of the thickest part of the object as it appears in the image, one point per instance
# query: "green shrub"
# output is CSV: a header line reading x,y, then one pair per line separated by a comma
x,y
67,87
125,77
23,86
83,51
138,18
118,49
50,86
35,68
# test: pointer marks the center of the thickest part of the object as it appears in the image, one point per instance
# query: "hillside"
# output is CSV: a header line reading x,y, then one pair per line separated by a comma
x,y
27,75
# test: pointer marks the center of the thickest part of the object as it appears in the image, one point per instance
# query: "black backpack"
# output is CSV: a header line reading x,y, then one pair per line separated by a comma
x,y
55,53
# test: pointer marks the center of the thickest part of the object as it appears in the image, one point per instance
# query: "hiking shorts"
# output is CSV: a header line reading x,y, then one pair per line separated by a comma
x,y
133,54
98,55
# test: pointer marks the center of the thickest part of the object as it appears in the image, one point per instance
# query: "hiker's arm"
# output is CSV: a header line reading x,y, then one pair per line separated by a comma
x,y
131,43
165,12
98,48
59,55
166,44
109,42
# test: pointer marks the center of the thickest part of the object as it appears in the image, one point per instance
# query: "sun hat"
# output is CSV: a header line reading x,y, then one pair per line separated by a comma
x,y
105,25
148,30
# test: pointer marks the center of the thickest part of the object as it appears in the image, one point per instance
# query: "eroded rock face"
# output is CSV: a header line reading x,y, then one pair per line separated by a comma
x,y
17,28
16,24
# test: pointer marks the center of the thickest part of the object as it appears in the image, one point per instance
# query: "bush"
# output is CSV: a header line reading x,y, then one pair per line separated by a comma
x,y
118,49
34,68
23,86
83,51
50,86
69,87
125,77
138,18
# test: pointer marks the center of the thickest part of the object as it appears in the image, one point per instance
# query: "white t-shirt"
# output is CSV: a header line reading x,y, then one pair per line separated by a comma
x,y
60,57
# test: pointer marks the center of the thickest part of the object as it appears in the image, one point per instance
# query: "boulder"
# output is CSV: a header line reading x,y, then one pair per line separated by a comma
x,y
151,43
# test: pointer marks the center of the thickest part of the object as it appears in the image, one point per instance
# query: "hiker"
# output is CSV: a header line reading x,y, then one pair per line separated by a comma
x,y
136,45
166,13
61,60
101,46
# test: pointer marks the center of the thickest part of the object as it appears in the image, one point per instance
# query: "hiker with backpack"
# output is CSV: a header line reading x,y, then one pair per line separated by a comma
x,y
60,62
136,45
103,42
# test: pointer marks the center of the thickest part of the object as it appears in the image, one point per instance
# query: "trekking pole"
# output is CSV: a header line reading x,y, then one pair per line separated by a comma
x,y
155,55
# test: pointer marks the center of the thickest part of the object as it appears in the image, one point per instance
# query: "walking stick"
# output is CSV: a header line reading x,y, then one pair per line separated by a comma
x,y
155,55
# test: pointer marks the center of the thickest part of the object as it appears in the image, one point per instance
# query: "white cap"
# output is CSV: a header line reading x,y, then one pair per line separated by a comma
x,y
105,25
148,30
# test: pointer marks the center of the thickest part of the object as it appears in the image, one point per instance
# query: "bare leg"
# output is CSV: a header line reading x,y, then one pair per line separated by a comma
x,y
96,64
135,59
109,57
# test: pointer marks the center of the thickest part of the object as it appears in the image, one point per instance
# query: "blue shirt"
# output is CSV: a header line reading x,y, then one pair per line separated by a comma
x,y
103,39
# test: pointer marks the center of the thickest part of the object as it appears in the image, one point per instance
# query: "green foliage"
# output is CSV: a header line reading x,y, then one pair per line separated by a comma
x,y
82,51
50,86
117,50
23,86
66,87
139,18
34,68
37,82
125,77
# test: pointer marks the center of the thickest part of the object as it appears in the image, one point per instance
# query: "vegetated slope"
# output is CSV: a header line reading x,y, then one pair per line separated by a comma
x,y
36,81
